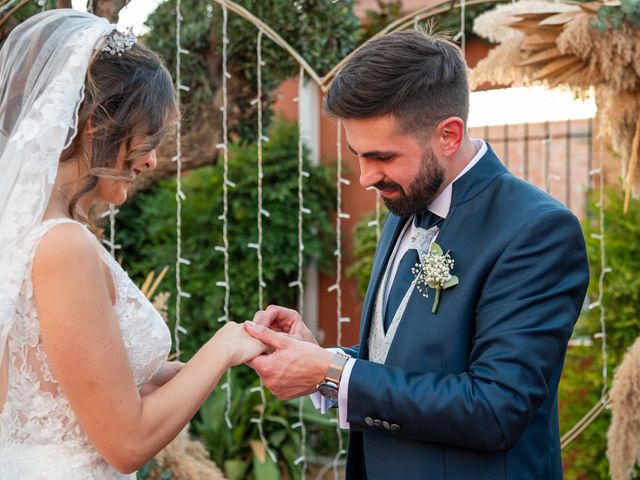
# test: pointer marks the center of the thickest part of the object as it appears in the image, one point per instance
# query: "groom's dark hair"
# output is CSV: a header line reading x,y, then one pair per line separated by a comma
x,y
418,77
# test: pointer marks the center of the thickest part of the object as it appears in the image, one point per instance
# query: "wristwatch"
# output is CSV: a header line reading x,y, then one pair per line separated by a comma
x,y
329,387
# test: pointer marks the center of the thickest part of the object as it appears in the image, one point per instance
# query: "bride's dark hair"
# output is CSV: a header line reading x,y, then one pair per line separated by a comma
x,y
126,96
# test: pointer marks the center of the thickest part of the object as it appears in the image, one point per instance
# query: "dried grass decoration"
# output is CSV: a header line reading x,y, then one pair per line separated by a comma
x,y
558,44
186,459
623,448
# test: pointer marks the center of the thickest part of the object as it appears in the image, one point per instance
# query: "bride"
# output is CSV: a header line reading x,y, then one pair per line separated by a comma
x,y
85,389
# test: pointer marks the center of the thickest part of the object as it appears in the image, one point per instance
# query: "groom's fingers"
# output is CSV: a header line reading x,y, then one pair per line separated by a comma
x,y
269,319
277,318
259,364
266,336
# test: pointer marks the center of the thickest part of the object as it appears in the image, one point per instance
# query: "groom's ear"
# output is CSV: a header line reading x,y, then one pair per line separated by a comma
x,y
449,134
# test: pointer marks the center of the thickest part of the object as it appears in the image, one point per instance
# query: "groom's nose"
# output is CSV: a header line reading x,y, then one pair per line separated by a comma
x,y
370,174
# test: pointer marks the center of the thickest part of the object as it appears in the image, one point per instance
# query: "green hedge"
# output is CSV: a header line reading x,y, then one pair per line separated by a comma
x,y
581,384
146,229
147,232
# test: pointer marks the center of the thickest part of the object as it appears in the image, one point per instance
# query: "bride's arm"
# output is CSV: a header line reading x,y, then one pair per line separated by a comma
x,y
166,372
81,336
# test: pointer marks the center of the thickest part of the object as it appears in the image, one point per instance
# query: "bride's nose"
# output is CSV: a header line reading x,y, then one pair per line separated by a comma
x,y
151,162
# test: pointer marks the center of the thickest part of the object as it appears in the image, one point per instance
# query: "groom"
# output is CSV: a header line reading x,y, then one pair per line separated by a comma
x,y
459,384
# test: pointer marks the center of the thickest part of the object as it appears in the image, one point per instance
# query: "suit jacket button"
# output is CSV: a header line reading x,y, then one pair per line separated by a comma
x,y
386,425
369,421
377,423
394,427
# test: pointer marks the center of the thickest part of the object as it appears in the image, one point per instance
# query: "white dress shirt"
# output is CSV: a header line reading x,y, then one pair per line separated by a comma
x,y
440,206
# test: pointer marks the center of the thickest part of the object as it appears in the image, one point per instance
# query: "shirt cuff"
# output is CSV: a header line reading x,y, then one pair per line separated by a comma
x,y
323,404
343,393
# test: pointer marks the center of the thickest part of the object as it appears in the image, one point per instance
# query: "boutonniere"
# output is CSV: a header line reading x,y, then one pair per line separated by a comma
x,y
434,271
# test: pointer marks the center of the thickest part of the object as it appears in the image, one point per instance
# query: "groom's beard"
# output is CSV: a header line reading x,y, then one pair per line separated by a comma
x,y
422,191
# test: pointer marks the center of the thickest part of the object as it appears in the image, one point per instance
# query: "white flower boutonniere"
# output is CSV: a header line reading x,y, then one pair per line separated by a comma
x,y
434,272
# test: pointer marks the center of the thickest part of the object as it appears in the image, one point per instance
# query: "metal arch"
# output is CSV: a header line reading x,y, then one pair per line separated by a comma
x,y
434,7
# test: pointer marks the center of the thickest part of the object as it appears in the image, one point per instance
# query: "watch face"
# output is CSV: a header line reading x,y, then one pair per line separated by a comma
x,y
329,391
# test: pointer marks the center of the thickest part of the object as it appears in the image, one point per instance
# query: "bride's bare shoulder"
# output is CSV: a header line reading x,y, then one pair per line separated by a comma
x,y
66,245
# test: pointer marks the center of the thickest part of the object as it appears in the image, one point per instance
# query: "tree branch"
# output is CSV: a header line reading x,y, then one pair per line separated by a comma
x,y
109,9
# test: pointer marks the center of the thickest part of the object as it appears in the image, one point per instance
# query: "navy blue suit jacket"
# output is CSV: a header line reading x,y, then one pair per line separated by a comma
x,y
472,390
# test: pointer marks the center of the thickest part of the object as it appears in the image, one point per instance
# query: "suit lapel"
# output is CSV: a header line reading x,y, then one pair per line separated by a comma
x,y
470,185
392,228
465,189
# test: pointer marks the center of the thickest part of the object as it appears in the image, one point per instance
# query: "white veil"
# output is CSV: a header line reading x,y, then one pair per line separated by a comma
x,y
43,65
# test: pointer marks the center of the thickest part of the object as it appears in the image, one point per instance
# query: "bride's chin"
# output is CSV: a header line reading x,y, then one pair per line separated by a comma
x,y
115,198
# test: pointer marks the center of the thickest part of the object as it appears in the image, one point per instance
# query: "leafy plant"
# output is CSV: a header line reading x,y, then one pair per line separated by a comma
x,y
364,247
448,22
239,450
581,384
304,25
146,229
613,16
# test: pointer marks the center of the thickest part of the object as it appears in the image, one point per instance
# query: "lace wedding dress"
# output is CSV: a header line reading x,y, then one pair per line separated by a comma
x,y
40,437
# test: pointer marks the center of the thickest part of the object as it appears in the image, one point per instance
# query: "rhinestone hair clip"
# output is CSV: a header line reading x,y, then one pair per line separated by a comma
x,y
118,42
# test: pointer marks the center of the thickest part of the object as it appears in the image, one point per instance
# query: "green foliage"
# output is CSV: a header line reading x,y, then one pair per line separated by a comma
x,y
322,31
153,470
622,286
447,23
581,385
364,247
146,230
579,391
610,16
378,18
238,450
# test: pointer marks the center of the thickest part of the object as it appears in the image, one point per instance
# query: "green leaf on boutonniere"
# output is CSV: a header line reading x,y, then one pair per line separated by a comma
x,y
436,249
452,282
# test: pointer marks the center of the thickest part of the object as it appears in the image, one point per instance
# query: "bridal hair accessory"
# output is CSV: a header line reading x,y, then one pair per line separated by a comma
x,y
118,42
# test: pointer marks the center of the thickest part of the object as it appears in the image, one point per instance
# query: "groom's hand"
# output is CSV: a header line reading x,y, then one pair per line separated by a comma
x,y
295,367
284,320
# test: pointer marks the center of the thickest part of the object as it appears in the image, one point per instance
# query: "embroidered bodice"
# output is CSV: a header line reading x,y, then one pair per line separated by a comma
x,y
38,429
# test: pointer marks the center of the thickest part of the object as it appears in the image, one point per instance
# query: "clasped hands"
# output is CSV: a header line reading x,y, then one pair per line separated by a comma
x,y
294,364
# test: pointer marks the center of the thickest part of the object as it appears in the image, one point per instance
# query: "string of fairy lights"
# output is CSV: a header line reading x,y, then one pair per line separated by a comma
x,y
261,212
299,283
111,242
604,270
340,216
226,184
180,196
337,286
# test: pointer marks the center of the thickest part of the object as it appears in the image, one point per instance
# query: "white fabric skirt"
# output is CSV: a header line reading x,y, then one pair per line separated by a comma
x,y
20,461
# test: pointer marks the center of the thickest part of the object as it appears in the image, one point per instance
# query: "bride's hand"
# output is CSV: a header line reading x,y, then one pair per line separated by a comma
x,y
166,372
238,345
